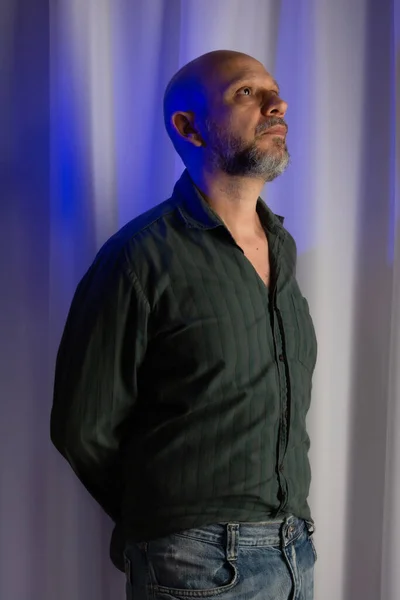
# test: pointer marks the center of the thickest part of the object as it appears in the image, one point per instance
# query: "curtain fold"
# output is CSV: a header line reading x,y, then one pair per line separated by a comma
x,y
83,150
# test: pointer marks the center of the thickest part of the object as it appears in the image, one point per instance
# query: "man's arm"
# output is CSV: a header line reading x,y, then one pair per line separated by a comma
x,y
95,389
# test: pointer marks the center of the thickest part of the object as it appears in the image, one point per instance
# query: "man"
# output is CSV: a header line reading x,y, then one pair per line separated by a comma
x,y
184,373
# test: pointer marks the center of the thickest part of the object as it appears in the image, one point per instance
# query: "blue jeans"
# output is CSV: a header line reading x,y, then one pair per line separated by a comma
x,y
273,560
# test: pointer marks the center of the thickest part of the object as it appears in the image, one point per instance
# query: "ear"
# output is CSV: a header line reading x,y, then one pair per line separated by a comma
x,y
183,125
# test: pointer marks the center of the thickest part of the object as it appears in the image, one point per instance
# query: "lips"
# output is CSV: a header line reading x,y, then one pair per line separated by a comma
x,y
276,130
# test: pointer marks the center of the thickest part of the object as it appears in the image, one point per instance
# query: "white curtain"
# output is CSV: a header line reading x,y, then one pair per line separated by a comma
x,y
83,150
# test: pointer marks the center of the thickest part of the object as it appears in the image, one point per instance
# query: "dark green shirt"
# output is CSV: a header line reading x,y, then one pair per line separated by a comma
x,y
183,382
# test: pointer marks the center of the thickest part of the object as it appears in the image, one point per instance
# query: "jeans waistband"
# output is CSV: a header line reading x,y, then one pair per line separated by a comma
x,y
266,533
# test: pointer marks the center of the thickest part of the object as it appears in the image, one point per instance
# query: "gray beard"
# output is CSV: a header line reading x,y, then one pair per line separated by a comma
x,y
230,155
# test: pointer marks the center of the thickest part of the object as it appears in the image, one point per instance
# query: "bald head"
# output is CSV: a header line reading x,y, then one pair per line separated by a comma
x,y
191,88
215,109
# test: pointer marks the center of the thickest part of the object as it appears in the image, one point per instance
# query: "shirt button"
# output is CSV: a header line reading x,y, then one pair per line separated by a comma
x,y
281,468
281,357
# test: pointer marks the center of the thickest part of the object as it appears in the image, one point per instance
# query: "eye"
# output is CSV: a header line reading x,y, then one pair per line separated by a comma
x,y
246,91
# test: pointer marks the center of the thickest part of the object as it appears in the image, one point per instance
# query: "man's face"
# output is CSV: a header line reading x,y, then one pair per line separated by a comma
x,y
244,131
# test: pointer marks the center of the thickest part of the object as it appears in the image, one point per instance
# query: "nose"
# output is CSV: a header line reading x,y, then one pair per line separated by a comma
x,y
274,106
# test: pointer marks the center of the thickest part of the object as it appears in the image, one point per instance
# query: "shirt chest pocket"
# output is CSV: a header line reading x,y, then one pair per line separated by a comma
x,y
298,330
306,346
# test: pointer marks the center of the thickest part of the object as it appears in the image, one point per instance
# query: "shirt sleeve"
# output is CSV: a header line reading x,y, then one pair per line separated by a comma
x,y
95,388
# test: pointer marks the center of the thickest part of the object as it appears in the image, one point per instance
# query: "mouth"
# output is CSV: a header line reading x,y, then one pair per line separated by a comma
x,y
276,130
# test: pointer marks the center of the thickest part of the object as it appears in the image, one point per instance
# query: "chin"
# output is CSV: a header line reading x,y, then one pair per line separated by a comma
x,y
276,146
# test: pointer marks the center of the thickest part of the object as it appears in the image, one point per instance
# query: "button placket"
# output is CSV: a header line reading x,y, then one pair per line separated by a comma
x,y
283,384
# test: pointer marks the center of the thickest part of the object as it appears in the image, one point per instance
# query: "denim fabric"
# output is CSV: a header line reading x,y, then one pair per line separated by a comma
x,y
273,560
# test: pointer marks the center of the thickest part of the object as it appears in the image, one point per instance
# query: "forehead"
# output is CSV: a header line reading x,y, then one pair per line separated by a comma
x,y
245,69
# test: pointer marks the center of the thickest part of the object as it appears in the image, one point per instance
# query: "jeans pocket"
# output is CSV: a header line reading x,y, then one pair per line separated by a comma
x,y
136,571
311,540
181,565
311,529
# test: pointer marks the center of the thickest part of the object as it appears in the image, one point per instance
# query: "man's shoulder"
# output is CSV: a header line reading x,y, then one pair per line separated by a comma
x,y
143,223
136,231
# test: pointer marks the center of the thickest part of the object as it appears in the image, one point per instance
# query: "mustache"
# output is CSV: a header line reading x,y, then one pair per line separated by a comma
x,y
263,127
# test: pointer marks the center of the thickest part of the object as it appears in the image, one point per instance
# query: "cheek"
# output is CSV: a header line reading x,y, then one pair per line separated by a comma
x,y
248,127
224,126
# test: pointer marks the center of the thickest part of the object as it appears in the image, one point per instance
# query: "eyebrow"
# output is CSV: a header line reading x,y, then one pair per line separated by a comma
x,y
247,78
276,85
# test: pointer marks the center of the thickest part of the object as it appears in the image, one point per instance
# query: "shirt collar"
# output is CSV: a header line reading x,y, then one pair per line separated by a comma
x,y
197,213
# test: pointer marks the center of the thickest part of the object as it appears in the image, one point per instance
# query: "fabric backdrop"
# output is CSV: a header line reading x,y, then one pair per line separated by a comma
x,y
83,150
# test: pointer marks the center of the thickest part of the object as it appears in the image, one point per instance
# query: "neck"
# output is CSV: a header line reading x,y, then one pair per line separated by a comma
x,y
233,199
